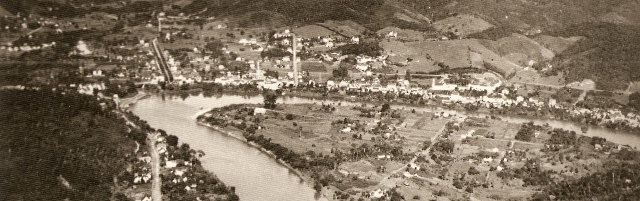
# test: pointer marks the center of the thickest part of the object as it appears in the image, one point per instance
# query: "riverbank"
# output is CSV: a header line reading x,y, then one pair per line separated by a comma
x,y
569,112
235,162
157,145
304,136
341,133
125,103
230,133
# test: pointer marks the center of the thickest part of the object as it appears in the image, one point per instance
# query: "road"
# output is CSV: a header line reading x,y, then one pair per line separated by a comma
x,y
156,182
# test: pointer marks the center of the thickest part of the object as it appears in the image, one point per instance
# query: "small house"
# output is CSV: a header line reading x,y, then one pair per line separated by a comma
x,y
260,111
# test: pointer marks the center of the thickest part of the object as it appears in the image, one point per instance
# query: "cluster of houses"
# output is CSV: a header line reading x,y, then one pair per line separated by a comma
x,y
88,88
609,115
9,47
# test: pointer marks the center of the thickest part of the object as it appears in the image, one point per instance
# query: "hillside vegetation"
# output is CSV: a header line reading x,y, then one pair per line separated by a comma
x,y
607,55
373,14
67,138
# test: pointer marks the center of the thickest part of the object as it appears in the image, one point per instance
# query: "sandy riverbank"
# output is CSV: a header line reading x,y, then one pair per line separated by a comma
x,y
125,103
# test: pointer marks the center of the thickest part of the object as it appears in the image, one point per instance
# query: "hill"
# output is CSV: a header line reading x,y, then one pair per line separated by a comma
x,y
462,24
542,14
66,138
607,55
373,14
59,145
519,49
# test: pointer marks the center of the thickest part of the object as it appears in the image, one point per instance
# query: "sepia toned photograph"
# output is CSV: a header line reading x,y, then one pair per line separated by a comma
x,y
319,100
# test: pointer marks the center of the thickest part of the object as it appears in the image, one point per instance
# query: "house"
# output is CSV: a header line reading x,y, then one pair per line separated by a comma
x,y
362,67
137,179
346,130
146,159
598,146
331,84
171,164
414,166
286,41
376,194
364,59
244,42
355,39
392,34
261,111
97,73
327,39
329,44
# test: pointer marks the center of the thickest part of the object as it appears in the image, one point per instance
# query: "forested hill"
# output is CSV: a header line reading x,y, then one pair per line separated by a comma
x,y
608,55
47,138
67,146
373,14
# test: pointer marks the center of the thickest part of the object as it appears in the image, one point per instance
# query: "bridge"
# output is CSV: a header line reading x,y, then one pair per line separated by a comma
x,y
162,62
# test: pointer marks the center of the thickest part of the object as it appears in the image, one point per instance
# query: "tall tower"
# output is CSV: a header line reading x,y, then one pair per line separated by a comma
x,y
295,66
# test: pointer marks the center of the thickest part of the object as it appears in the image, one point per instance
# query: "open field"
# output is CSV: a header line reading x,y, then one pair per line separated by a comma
x,y
454,54
462,24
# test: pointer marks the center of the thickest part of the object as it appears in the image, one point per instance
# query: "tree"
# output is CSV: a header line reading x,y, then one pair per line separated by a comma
x,y
341,72
407,75
526,132
270,100
215,46
385,108
172,140
445,146
370,49
634,101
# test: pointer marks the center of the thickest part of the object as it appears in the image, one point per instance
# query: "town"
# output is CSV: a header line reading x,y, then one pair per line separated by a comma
x,y
407,109
268,62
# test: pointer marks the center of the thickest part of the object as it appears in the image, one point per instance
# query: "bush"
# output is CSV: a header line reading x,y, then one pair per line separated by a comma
x,y
473,171
469,189
289,117
495,197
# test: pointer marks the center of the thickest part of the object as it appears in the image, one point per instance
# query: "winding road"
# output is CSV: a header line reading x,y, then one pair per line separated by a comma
x,y
156,182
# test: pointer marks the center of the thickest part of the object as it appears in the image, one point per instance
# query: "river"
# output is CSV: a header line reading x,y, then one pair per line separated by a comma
x,y
256,175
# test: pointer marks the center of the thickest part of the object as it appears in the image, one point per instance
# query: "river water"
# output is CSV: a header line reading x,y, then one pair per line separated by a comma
x,y
256,175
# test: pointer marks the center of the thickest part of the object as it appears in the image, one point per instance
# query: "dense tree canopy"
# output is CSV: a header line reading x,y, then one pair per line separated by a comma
x,y
526,132
370,49
607,55
67,136
270,100
634,101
